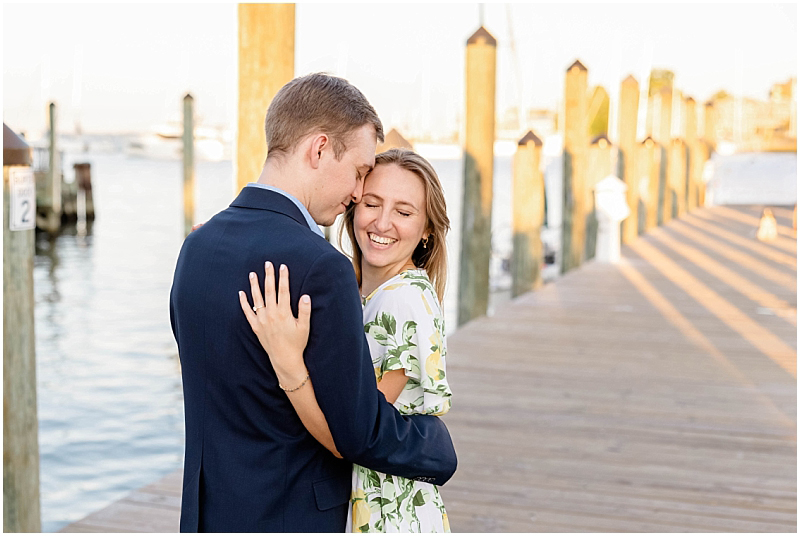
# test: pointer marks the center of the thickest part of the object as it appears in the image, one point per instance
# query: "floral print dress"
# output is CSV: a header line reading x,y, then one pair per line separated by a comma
x,y
404,325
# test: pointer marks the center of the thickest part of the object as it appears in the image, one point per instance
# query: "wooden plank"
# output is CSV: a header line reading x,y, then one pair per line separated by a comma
x,y
153,508
128,516
706,222
581,407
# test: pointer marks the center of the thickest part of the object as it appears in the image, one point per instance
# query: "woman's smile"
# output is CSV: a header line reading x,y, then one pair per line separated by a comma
x,y
381,242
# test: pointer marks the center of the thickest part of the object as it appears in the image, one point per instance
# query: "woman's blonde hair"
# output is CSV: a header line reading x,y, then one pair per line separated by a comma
x,y
433,258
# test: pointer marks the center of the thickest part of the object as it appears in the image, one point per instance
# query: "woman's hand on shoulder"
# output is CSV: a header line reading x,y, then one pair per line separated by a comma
x,y
283,336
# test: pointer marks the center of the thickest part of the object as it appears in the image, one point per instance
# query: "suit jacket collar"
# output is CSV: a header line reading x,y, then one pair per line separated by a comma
x,y
261,199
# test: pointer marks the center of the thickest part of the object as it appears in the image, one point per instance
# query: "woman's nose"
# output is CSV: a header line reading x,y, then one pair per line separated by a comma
x,y
383,222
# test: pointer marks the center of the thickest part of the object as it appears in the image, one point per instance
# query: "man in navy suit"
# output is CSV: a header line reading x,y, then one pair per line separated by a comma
x,y
250,464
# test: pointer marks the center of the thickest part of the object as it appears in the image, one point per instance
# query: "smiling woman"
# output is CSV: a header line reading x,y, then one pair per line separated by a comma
x,y
401,222
398,231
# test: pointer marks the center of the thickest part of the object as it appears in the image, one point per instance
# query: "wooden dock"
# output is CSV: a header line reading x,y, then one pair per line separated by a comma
x,y
656,395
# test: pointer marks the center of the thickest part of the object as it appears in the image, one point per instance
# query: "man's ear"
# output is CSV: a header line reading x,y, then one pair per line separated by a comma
x,y
319,143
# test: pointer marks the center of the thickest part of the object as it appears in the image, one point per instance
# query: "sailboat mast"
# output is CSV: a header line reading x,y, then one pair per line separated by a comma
x,y
515,62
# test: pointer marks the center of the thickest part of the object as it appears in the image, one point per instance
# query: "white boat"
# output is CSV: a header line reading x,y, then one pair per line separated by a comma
x,y
166,143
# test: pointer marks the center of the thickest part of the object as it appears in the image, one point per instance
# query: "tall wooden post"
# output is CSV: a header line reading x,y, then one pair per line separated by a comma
x,y
649,165
703,154
663,135
575,148
677,180
793,113
188,164
53,218
393,140
710,124
266,64
690,133
21,509
692,156
678,114
476,221
628,116
599,167
651,122
83,176
597,109
528,217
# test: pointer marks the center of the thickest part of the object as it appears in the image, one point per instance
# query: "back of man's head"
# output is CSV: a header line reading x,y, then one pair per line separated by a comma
x,y
317,102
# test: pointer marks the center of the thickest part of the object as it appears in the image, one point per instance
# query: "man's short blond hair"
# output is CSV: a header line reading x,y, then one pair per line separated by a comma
x,y
317,102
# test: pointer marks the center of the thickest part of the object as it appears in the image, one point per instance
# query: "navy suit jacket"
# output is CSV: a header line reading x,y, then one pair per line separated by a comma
x,y
250,465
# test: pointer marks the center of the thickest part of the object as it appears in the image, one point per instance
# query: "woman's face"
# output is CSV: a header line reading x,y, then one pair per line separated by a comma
x,y
390,220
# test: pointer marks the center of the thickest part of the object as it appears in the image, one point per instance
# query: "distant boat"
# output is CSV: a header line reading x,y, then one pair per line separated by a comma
x,y
166,143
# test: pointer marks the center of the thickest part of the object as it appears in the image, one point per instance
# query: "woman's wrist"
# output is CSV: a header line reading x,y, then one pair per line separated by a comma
x,y
290,370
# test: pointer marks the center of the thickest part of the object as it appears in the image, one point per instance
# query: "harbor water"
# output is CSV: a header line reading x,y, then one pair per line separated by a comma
x,y
108,377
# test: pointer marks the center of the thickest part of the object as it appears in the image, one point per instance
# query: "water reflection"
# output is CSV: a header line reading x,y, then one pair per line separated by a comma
x,y
109,393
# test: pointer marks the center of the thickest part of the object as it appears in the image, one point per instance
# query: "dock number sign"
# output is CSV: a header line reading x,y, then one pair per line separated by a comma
x,y
22,194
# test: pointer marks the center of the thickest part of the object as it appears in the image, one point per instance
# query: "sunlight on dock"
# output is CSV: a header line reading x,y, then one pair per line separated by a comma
x,y
656,395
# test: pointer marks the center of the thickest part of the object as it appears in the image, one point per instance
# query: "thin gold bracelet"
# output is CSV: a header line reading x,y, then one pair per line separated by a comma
x,y
296,388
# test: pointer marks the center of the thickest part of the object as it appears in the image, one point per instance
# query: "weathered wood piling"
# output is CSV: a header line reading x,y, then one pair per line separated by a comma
x,y
626,164
393,140
574,183
528,216
49,199
710,124
84,205
21,508
690,137
476,226
58,201
266,64
599,167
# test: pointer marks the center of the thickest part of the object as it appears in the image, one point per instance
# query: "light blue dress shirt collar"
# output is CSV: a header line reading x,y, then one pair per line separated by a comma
x,y
303,210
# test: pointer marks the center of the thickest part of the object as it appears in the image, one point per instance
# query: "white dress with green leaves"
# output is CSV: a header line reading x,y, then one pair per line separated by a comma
x,y
405,330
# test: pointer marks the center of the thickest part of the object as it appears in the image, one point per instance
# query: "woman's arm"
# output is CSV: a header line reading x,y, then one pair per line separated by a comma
x,y
392,384
300,391
284,338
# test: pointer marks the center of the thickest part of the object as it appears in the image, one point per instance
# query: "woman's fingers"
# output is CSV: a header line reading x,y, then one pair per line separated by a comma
x,y
248,311
304,312
283,288
255,289
269,284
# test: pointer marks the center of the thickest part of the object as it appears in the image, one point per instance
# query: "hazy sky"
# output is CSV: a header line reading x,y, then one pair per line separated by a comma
x,y
124,67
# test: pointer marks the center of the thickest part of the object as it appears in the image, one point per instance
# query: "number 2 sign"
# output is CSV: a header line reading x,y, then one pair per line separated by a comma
x,y
22,197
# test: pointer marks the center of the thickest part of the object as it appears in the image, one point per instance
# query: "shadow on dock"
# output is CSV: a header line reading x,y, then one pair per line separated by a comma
x,y
655,395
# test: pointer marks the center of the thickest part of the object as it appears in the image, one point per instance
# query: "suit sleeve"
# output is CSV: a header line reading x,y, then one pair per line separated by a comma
x,y
367,429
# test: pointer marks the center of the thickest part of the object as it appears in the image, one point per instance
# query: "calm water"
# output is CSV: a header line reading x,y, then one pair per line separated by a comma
x,y
109,391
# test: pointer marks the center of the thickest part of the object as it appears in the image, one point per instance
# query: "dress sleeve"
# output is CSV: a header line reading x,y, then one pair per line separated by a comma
x,y
409,331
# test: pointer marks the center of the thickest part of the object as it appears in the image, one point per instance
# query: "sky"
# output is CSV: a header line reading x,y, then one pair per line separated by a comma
x,y
126,67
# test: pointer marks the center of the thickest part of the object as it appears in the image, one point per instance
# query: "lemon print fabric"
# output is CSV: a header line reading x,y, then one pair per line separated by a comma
x,y
404,325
